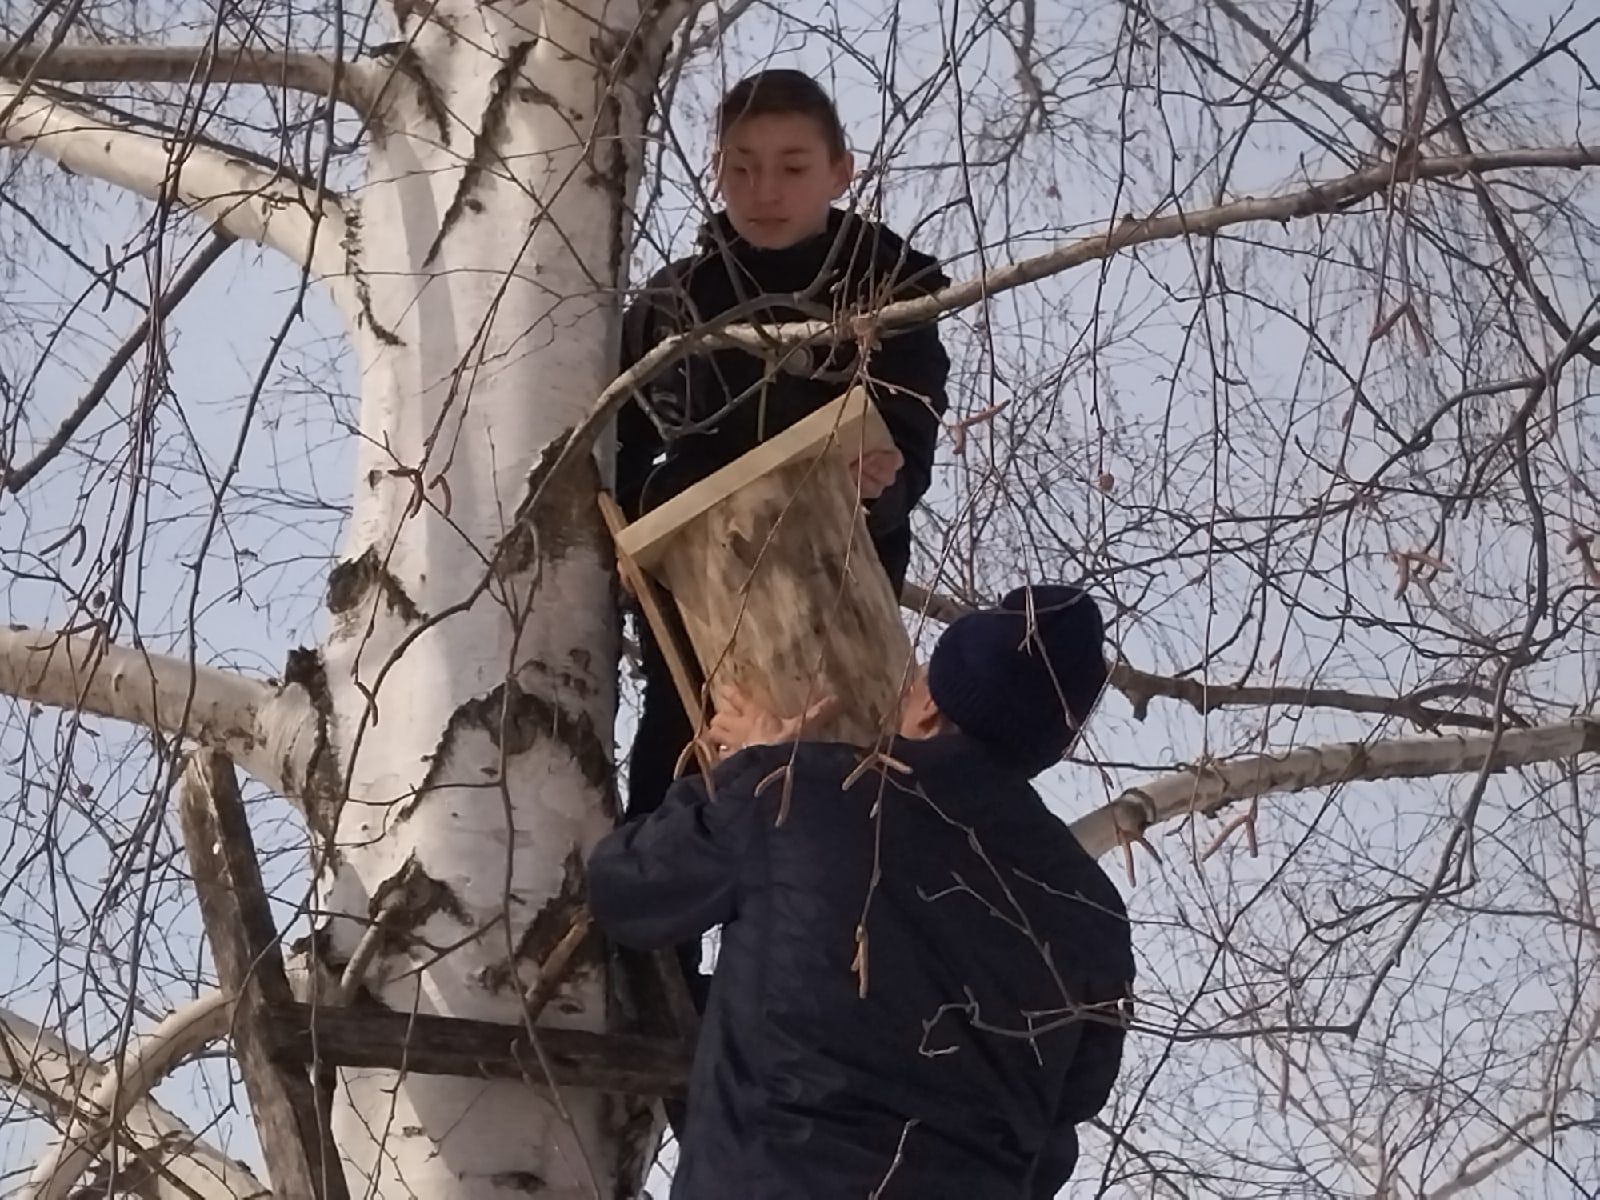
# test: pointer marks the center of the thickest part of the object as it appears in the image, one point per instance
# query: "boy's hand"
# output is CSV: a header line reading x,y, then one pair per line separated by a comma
x,y
875,470
741,722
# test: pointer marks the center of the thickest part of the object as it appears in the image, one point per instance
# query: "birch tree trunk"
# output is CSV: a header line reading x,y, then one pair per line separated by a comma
x,y
468,672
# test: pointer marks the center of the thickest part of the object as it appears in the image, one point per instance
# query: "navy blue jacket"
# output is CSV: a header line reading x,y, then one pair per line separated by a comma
x,y
887,949
706,410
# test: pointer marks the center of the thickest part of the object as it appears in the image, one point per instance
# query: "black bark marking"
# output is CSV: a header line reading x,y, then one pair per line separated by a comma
x,y
352,259
351,582
322,789
515,719
549,926
558,513
502,92
409,63
405,900
632,1120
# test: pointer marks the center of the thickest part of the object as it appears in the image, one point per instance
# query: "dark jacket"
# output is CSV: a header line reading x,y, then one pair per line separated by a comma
x,y
867,1035
706,410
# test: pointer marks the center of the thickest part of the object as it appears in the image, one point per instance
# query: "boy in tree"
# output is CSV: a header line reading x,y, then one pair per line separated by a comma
x,y
779,251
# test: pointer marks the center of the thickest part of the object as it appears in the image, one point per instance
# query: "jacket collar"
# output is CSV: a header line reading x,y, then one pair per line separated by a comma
x,y
850,245
955,754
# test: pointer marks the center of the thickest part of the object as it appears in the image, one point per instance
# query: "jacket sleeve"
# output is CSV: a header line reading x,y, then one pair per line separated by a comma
x,y
639,440
907,377
674,874
1087,1088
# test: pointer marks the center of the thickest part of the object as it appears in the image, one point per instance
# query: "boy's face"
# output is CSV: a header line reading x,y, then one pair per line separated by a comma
x,y
779,177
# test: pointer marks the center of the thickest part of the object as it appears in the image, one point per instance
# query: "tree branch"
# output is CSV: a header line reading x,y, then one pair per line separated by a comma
x,y
1317,199
1283,56
1140,687
1207,788
352,84
1482,1162
271,732
15,479
189,1029
236,196
54,1076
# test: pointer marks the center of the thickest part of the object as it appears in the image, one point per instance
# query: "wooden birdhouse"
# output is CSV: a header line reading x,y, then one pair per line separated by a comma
x,y
776,579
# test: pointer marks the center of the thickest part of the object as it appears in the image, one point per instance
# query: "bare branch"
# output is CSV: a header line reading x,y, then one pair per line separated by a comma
x,y
54,1077
15,480
1140,687
234,195
1318,199
270,732
1519,1136
353,84
189,1029
1209,787
1283,56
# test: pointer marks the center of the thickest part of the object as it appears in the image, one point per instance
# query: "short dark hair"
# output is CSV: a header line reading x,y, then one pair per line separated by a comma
x,y
781,91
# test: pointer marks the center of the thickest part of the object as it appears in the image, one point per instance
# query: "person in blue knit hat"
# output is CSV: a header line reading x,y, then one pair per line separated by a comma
x,y
923,982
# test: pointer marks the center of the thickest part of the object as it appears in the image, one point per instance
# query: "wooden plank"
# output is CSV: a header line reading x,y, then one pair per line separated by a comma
x,y
300,1154
689,684
850,426
374,1037
685,679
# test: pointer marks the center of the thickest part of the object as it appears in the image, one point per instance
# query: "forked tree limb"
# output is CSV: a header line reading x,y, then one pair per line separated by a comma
x,y
58,1080
145,1064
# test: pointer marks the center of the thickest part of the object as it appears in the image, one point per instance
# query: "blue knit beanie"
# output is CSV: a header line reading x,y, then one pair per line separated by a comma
x,y
1021,678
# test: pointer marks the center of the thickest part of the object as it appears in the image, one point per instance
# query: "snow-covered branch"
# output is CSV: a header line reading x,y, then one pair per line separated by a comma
x,y
57,1079
354,84
146,1063
1208,787
238,197
270,732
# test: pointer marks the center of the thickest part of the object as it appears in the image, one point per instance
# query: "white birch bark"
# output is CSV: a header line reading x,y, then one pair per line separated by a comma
x,y
459,733
147,1061
269,731
1207,788
60,1080
230,193
470,664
